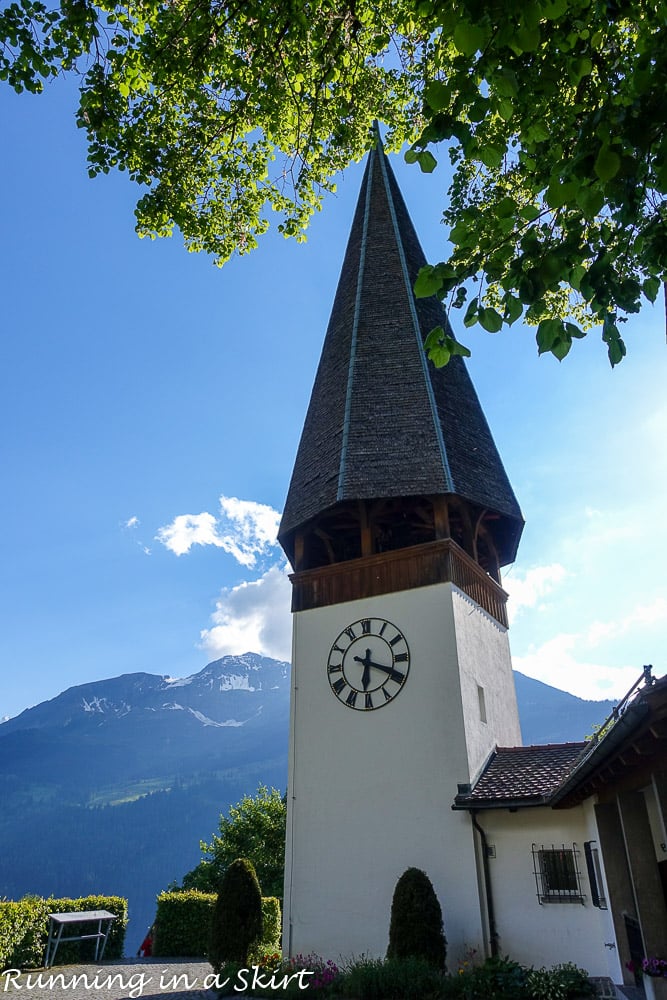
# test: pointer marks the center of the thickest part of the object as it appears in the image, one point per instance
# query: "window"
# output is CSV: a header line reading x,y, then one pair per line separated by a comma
x,y
482,703
595,874
557,874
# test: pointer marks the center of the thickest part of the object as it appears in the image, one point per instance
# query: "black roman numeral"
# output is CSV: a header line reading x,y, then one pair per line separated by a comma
x,y
366,626
335,668
350,633
401,658
368,700
397,638
339,685
351,698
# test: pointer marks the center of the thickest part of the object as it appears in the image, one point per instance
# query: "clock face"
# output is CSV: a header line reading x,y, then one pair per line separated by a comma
x,y
368,664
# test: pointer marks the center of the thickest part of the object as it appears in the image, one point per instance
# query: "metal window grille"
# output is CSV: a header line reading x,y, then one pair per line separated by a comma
x,y
595,874
557,874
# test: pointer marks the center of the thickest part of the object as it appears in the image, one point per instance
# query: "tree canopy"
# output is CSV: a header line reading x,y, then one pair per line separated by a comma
x,y
253,829
551,112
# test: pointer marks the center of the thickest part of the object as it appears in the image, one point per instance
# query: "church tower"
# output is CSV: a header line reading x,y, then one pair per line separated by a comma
x,y
398,519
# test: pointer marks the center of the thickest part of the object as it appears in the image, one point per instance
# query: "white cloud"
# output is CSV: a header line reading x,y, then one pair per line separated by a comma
x,y
187,530
253,617
643,616
525,591
245,529
559,662
132,522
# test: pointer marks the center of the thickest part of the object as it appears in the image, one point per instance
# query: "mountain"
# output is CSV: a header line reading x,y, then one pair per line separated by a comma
x,y
110,786
549,715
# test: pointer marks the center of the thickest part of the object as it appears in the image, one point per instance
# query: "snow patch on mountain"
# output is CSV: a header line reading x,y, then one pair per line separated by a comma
x,y
211,722
102,706
237,682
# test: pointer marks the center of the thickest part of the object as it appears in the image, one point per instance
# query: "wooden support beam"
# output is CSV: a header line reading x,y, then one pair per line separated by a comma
x,y
365,527
441,517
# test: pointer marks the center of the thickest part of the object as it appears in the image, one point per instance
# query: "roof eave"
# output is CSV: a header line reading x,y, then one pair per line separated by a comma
x,y
483,805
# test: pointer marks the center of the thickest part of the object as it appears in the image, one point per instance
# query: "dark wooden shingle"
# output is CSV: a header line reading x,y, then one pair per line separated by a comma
x,y
383,421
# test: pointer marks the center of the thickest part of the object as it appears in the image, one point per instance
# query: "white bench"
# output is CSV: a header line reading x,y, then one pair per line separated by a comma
x,y
58,922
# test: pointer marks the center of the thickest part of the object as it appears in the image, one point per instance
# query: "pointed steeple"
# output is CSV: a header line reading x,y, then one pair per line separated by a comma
x,y
387,434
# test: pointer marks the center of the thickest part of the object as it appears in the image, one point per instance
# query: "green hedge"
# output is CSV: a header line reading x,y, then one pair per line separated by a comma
x,y
24,929
183,924
271,939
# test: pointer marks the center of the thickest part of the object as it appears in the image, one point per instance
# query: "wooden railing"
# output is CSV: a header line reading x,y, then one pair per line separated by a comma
x,y
403,569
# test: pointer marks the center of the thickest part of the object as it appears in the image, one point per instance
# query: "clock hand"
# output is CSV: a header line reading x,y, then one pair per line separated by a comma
x,y
366,676
395,675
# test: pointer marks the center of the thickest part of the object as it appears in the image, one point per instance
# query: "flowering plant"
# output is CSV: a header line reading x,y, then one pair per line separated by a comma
x,y
325,973
655,967
267,960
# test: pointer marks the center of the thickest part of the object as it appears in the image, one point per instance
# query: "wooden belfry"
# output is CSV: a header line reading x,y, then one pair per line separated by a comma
x,y
396,455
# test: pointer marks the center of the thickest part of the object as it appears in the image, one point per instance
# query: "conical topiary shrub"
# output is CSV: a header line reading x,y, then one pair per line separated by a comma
x,y
416,930
237,916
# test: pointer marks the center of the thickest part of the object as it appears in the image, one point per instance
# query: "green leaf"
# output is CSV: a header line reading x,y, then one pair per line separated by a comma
x,y
580,68
561,348
460,235
590,200
607,164
616,352
661,178
559,194
548,332
505,109
505,207
613,340
513,308
576,274
427,161
491,320
553,9
650,288
537,132
505,83
457,349
411,155
529,212
437,95
434,338
470,317
573,330
526,38
428,282
469,38
492,156
441,346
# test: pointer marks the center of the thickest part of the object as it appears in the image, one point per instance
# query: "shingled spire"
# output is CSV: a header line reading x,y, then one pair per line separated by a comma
x,y
394,452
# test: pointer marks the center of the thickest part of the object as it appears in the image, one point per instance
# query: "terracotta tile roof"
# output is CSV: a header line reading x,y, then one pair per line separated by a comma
x,y
383,422
522,775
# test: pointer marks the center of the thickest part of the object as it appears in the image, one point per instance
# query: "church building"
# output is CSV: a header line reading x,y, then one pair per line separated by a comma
x,y
405,743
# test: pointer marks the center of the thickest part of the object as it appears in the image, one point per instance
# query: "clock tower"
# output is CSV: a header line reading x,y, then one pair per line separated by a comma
x,y
398,519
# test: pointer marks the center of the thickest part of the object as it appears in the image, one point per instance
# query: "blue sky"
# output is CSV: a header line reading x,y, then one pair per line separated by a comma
x,y
140,385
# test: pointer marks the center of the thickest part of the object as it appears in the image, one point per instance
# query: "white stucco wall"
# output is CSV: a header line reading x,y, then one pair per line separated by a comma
x,y
549,933
370,793
484,661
